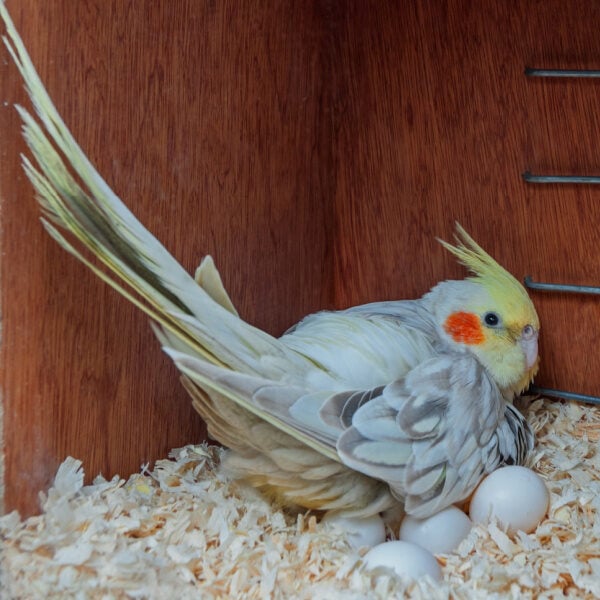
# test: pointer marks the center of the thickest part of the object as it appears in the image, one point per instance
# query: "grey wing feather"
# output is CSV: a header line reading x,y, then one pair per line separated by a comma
x,y
340,408
432,435
515,438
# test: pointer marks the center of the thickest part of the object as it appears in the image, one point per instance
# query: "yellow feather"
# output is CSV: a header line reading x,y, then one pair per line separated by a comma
x,y
510,294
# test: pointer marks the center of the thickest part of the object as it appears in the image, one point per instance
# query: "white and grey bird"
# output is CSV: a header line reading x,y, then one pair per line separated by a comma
x,y
405,403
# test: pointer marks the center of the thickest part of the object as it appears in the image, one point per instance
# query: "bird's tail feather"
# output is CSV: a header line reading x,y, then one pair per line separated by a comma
x,y
83,214
193,316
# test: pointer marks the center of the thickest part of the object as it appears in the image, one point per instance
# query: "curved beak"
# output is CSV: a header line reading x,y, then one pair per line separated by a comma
x,y
529,344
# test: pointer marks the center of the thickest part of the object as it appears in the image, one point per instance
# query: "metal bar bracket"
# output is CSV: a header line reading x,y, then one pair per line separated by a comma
x,y
571,289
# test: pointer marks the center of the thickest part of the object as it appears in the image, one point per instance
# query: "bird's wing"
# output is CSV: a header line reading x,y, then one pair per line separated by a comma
x,y
266,398
431,435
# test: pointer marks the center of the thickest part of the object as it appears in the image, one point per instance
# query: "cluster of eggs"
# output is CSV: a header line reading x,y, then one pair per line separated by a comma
x,y
515,496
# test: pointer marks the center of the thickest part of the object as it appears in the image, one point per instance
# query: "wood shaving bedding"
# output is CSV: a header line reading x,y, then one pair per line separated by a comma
x,y
183,530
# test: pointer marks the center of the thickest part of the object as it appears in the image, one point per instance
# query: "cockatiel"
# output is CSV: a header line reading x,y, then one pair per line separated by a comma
x,y
360,410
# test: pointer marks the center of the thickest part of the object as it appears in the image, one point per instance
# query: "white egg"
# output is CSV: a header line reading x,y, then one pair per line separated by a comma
x,y
440,533
361,532
516,496
407,560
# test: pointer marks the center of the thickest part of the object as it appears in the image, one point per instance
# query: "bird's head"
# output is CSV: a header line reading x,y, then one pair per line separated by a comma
x,y
490,315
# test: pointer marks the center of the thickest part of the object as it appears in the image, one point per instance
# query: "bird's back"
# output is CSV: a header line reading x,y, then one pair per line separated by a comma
x,y
364,346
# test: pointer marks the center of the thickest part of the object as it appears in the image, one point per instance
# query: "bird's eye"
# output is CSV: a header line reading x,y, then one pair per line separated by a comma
x,y
491,319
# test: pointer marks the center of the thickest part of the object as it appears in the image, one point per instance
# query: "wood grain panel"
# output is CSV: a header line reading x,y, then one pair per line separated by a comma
x,y
208,119
316,150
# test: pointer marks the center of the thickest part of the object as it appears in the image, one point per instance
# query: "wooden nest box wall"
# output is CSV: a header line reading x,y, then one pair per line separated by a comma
x,y
316,150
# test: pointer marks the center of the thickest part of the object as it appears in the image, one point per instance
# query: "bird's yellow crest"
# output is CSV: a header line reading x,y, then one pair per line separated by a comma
x,y
487,272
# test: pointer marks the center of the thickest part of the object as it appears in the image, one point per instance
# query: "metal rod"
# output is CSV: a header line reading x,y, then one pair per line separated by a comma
x,y
530,178
573,289
560,287
580,73
534,389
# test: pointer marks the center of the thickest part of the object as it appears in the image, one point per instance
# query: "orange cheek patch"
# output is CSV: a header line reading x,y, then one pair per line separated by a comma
x,y
464,328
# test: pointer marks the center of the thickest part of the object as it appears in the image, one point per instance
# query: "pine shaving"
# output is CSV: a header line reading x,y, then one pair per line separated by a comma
x,y
183,530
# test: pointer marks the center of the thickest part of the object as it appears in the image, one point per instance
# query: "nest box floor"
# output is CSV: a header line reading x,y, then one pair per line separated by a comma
x,y
184,531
